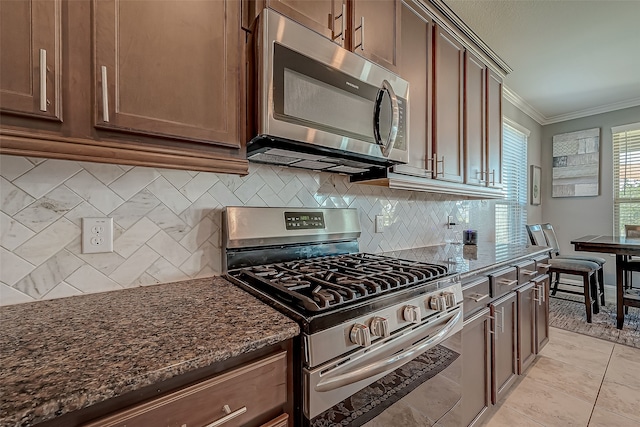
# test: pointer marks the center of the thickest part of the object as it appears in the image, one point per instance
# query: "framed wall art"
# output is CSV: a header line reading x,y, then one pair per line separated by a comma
x,y
576,164
534,180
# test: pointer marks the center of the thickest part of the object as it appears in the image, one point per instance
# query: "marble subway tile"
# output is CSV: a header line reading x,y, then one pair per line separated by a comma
x,y
224,195
46,276
44,211
169,222
178,178
95,192
47,176
199,185
62,290
48,242
105,172
134,266
163,244
133,181
14,166
169,195
198,260
12,233
13,199
19,267
135,237
11,296
134,209
198,235
89,280
163,271
200,209
249,188
106,262
83,210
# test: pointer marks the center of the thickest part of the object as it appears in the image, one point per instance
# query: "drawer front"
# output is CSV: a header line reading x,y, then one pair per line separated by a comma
x,y
542,264
503,281
248,391
526,271
476,295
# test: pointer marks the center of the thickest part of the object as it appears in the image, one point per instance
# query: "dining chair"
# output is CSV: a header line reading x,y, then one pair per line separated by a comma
x,y
631,263
587,270
552,241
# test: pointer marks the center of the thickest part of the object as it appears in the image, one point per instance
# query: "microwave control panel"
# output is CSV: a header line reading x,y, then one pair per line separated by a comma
x,y
304,220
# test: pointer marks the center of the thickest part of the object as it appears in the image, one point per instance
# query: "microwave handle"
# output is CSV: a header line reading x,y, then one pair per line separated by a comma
x,y
395,121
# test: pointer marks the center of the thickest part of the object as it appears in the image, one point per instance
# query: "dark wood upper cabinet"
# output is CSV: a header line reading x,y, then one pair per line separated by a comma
x,y
474,119
30,54
494,129
168,68
448,102
378,39
322,16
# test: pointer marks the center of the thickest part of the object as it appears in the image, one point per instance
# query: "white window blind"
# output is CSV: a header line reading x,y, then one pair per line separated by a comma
x,y
626,177
511,212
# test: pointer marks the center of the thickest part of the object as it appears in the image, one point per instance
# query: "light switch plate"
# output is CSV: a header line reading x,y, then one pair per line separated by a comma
x,y
97,235
379,223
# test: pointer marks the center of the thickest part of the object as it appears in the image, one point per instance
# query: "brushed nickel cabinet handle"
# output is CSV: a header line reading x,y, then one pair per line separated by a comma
x,y
507,282
342,18
493,177
536,298
529,272
105,95
43,80
361,28
542,296
478,297
230,415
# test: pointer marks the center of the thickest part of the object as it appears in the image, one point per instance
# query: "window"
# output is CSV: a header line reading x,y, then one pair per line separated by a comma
x,y
626,176
511,212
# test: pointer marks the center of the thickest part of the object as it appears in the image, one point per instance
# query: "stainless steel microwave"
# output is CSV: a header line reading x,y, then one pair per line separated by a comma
x,y
319,106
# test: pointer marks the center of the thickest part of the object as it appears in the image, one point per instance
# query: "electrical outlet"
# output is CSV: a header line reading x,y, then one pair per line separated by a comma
x,y
450,222
379,223
97,235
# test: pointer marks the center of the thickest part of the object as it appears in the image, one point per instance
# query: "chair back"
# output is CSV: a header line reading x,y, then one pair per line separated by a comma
x,y
536,235
550,235
632,231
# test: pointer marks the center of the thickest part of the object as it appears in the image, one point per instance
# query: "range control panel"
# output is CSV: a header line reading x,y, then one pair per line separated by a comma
x,y
304,220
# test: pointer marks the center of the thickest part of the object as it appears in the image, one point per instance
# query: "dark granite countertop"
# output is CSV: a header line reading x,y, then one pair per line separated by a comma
x,y
470,259
63,355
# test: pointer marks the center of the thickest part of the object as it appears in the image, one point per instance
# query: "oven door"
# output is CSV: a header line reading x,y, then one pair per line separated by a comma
x,y
333,382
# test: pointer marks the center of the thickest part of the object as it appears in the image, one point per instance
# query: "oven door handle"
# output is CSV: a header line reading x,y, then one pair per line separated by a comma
x,y
330,382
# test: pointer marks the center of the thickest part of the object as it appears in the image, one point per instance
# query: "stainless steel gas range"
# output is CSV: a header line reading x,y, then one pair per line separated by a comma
x,y
362,315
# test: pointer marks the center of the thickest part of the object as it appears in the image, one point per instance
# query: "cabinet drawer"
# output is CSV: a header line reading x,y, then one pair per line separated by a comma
x,y
476,295
542,264
526,271
503,281
248,391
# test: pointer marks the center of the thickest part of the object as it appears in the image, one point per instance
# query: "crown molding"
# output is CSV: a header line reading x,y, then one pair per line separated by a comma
x,y
523,105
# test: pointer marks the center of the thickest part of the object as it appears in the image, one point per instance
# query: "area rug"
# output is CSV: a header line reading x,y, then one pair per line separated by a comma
x,y
369,402
568,312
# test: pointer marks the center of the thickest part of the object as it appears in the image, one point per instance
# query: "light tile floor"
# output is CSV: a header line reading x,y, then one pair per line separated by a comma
x,y
576,381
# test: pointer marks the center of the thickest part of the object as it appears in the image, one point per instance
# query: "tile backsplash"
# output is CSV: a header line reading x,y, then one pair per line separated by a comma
x,y
167,222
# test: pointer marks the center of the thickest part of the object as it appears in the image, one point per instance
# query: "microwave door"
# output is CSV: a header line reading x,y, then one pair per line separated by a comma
x,y
386,118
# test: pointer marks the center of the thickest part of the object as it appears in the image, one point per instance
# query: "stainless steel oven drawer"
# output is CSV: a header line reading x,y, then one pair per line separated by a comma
x,y
476,294
503,281
526,271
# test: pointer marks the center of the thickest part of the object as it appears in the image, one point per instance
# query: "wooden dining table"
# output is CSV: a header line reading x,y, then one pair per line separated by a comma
x,y
622,247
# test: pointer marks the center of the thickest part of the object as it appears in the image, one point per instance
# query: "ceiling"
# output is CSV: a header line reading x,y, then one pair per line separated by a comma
x,y
570,58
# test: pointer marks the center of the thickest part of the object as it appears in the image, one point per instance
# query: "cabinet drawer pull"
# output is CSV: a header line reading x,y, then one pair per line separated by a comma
x,y
342,19
536,298
43,80
544,265
478,297
507,282
230,415
105,95
529,272
434,165
542,297
361,28
493,177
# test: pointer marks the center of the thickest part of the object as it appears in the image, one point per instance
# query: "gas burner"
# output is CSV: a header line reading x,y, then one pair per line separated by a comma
x,y
265,271
292,283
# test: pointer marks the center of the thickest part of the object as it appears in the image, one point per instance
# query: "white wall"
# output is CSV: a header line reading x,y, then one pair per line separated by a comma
x,y
573,217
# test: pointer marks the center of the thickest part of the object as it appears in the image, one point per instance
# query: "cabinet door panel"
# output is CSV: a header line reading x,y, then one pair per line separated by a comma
x,y
476,370
503,345
494,129
448,106
172,68
319,15
474,120
30,57
526,326
542,313
381,31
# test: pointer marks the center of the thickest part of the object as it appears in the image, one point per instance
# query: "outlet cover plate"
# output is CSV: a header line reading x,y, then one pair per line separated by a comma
x,y
379,223
97,235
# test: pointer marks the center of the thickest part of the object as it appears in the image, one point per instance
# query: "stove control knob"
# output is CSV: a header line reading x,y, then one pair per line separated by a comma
x,y
360,335
379,327
438,303
450,298
412,314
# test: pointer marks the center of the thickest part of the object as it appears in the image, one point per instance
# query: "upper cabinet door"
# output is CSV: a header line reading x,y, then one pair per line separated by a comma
x,y
474,119
494,130
375,31
319,15
30,58
169,68
448,104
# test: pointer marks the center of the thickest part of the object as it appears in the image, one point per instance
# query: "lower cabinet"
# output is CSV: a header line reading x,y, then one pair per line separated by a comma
x,y
543,283
242,396
476,378
527,296
503,344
